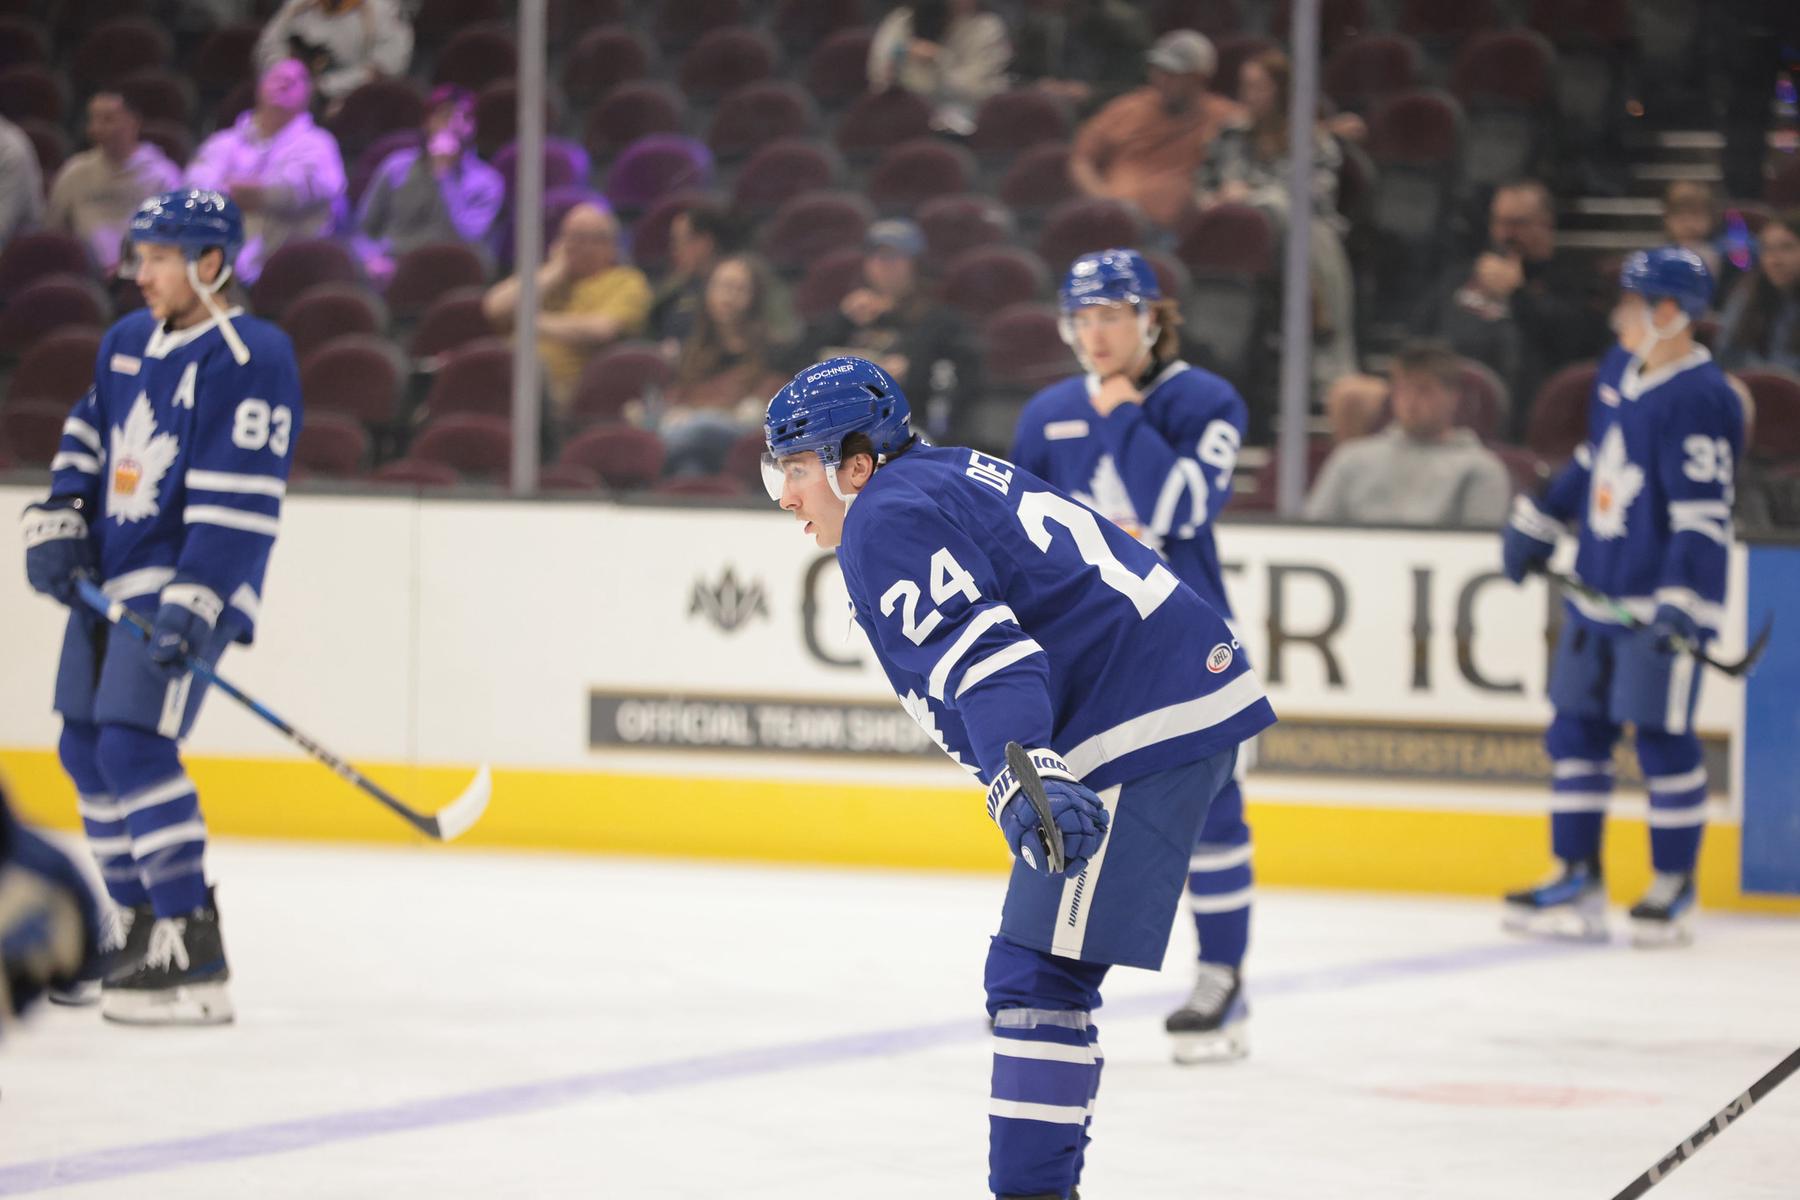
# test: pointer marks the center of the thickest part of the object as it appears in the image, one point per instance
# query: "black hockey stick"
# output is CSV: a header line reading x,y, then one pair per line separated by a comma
x,y
449,822
1713,1128
1737,669
1019,763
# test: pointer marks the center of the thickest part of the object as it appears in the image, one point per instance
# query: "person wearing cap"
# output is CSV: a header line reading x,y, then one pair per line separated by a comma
x,y
343,43
1146,146
890,320
436,191
277,165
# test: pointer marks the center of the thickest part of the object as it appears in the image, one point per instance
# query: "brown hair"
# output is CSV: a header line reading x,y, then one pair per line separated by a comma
x,y
1432,358
1167,314
1754,332
860,443
765,330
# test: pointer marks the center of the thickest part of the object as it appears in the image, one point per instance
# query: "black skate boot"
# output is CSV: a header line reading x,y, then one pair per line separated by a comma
x,y
1210,1026
1572,906
127,937
180,979
1664,916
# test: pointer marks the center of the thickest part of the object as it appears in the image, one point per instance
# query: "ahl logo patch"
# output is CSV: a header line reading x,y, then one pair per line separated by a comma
x,y
1218,658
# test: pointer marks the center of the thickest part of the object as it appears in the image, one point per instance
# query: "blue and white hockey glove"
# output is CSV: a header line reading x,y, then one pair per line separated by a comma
x,y
1528,540
1078,812
58,550
184,622
1673,624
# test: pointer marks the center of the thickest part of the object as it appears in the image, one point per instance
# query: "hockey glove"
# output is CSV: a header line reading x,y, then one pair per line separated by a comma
x,y
184,623
1078,812
58,550
1528,540
1673,625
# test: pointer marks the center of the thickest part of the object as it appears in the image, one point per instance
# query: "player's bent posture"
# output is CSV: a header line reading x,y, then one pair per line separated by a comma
x,y
1004,611
1150,443
1651,490
167,492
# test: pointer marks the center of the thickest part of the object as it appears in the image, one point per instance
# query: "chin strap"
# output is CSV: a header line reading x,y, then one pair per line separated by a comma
x,y
239,351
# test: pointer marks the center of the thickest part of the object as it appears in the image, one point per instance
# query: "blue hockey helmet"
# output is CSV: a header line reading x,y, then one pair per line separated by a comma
x,y
1109,277
192,218
827,402
1669,271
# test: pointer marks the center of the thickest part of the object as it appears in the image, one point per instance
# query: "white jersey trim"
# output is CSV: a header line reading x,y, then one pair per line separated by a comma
x,y
1219,860
87,464
1687,781
1054,1114
232,518
1043,1051
146,581
997,661
82,432
1228,902
1165,724
979,624
173,835
229,481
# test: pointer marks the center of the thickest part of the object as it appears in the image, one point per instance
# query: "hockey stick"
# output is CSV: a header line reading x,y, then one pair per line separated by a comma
x,y
1713,1128
450,822
1680,645
1019,763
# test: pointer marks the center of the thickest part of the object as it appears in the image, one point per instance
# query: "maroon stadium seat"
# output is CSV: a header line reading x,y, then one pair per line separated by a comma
x,y
744,460
1483,405
987,279
1227,239
46,305
33,90
953,224
922,169
1504,80
1017,120
57,368
50,144
625,458
1230,249
617,375
655,166
225,58
476,445
782,170
603,59
1775,434
172,139
497,116
474,379
568,20
436,20
681,22
569,477
813,224
700,486
116,48
476,56
327,310
360,375
31,430
296,266
234,104
159,95
1416,140
1340,21
1783,188
1022,348
754,116
878,120
23,40
1559,413
650,234
630,111
805,22
1038,179
828,279
1526,469
454,320
1171,276
837,71
413,472
375,109
725,59
1436,23
1214,18
33,256
1573,22
332,445
1081,226
1367,70
426,272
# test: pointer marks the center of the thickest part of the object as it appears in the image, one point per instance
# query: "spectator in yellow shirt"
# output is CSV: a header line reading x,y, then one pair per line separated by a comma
x,y
587,299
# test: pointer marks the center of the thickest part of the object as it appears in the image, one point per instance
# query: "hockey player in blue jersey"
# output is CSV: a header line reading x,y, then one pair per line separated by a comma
x,y
1651,492
1004,611
166,492
1150,443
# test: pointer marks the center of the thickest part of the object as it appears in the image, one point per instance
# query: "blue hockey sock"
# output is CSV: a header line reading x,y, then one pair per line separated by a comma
x,y
1219,888
162,816
101,818
1581,784
1676,775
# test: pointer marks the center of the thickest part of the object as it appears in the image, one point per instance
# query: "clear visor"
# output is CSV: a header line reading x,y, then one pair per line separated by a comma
x,y
128,260
794,470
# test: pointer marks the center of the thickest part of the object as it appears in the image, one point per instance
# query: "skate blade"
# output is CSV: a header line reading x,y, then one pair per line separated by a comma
x,y
1226,1044
1557,924
192,1004
76,995
1661,935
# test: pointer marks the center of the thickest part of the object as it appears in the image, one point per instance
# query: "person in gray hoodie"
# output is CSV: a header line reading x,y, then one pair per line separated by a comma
x,y
1420,470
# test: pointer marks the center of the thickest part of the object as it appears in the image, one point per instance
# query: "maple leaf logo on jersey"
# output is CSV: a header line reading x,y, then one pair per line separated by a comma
x,y
140,458
919,709
1107,496
1616,484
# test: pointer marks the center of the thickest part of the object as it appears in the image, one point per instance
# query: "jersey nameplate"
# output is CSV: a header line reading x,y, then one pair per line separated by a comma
x,y
124,364
1062,431
990,471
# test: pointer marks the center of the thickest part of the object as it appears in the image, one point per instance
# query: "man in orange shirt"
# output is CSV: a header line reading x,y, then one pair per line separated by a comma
x,y
1145,146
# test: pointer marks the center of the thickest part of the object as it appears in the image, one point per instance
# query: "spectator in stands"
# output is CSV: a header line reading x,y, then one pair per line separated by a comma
x,y
437,191
948,52
699,235
282,169
1760,325
21,182
1519,307
1421,469
1248,164
1085,51
892,320
98,190
587,298
1355,407
735,359
1146,146
1691,220
342,43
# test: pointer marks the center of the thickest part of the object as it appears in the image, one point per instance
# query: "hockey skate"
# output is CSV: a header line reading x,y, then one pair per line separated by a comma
x,y
1664,917
181,978
1571,906
1210,1024
127,938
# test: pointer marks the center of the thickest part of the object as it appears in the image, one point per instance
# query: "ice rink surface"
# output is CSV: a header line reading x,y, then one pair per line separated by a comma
x,y
420,1023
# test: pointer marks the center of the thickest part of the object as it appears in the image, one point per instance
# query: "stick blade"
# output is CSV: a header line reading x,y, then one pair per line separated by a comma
x,y
1019,762
455,818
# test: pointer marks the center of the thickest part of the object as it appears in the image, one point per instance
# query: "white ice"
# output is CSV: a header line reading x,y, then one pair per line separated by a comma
x,y
544,1025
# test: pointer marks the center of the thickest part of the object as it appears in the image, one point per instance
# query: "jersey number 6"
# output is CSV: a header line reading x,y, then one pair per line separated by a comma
x,y
1038,509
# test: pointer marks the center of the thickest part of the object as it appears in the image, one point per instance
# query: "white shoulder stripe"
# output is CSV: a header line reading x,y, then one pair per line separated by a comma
x,y
82,432
232,518
227,481
982,621
87,464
